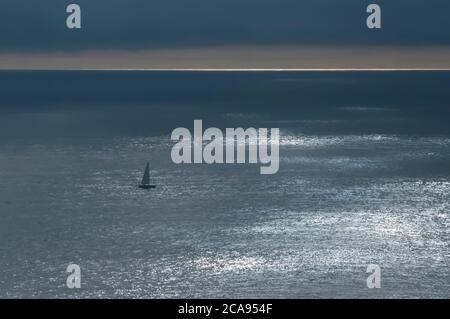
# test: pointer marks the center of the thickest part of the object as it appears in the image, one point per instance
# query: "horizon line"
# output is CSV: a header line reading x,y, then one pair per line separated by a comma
x,y
235,69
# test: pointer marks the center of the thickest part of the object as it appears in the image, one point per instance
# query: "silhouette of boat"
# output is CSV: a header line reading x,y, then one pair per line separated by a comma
x,y
145,184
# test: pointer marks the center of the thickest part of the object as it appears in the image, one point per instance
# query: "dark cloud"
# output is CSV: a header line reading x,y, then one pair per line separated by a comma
x,y
29,25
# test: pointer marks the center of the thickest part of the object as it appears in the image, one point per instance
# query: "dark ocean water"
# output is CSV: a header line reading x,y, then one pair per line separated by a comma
x,y
364,179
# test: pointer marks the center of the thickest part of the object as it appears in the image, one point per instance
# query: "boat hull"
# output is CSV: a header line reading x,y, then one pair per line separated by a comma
x,y
147,186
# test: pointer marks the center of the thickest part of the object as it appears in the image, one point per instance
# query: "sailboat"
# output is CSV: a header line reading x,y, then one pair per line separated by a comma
x,y
145,184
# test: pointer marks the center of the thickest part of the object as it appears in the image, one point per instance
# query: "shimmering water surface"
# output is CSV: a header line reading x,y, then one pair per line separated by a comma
x,y
357,185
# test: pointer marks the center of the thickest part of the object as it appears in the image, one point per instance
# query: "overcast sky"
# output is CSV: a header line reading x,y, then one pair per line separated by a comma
x,y
28,27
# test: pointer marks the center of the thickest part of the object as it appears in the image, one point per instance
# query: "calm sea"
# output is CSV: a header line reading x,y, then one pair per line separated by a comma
x,y
364,179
